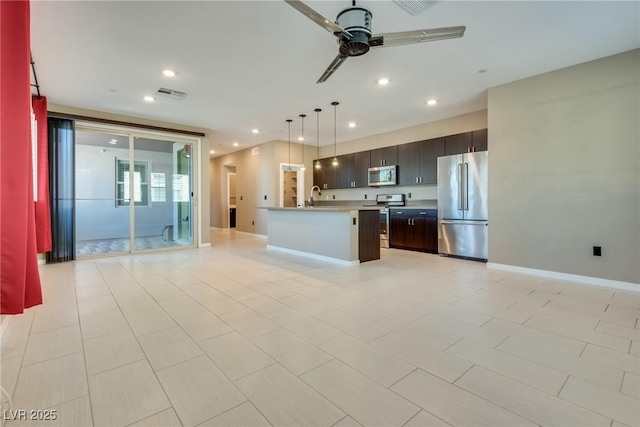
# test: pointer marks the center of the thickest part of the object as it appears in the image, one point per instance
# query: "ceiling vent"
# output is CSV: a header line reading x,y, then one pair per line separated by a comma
x,y
170,93
414,7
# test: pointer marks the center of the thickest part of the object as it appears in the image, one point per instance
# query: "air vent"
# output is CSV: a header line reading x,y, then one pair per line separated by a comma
x,y
414,7
170,93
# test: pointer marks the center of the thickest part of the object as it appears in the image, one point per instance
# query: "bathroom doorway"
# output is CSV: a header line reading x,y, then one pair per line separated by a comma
x,y
231,191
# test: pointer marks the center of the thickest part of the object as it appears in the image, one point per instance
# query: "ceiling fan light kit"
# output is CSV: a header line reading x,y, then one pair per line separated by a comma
x,y
353,30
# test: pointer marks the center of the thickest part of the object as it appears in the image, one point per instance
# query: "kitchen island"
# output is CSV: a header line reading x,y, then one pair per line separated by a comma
x,y
344,235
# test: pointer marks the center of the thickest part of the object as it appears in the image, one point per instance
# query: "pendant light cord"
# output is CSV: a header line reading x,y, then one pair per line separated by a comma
x,y
335,132
302,116
289,125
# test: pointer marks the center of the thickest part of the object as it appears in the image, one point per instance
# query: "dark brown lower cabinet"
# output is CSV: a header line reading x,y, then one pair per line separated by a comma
x,y
368,235
414,229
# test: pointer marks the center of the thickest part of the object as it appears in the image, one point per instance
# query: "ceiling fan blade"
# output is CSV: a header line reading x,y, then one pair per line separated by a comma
x,y
337,62
417,36
325,23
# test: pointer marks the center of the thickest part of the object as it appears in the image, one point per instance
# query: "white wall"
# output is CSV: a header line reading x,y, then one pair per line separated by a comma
x,y
564,170
97,216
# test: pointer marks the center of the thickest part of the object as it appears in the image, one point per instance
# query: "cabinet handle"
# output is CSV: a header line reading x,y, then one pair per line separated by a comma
x,y
408,221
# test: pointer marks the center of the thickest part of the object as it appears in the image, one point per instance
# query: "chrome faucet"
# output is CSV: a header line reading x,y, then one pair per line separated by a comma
x,y
311,195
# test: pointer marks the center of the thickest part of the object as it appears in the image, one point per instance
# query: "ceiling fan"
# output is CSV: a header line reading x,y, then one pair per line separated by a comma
x,y
353,31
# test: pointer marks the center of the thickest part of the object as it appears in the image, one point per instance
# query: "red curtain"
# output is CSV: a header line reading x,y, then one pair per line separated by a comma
x,y
19,276
43,210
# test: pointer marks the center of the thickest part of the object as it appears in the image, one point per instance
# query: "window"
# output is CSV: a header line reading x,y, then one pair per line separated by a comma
x,y
158,187
140,183
181,188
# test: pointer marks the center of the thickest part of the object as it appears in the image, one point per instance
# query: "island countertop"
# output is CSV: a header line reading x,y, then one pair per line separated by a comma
x,y
346,235
326,208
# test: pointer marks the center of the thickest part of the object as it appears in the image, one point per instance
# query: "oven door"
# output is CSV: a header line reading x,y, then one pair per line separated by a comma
x,y
384,228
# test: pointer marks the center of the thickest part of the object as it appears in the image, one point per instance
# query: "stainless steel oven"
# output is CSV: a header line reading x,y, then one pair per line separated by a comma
x,y
384,201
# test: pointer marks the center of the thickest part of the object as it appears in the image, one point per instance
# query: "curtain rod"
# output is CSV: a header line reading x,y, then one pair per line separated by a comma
x,y
121,123
35,76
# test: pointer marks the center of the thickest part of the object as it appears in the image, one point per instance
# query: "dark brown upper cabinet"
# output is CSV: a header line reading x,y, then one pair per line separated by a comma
x,y
466,142
418,161
386,156
479,138
327,176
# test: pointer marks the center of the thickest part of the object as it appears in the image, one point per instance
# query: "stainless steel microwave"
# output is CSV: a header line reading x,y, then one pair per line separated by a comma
x,y
383,175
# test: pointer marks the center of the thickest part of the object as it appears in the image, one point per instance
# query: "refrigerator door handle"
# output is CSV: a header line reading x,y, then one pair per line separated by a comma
x,y
465,200
460,190
459,222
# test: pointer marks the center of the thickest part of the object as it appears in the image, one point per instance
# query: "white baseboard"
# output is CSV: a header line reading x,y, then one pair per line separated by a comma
x,y
628,286
204,245
260,236
314,256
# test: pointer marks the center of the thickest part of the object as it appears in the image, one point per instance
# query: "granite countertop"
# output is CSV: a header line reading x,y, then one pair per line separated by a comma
x,y
327,208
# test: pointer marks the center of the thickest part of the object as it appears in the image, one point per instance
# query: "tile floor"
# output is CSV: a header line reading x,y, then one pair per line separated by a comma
x,y
236,335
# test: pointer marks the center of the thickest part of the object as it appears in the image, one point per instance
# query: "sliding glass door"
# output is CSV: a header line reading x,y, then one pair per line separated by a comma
x,y
134,192
163,193
102,219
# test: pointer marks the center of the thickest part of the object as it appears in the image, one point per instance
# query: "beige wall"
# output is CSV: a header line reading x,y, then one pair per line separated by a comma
x,y
257,176
564,170
464,123
203,167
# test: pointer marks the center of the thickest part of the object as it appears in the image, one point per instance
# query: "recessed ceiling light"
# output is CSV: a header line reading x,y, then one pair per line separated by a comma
x,y
255,130
235,144
212,152
113,141
432,102
300,138
352,124
149,98
383,81
169,73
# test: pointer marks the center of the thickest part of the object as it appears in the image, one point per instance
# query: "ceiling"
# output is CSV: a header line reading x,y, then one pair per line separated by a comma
x,y
254,64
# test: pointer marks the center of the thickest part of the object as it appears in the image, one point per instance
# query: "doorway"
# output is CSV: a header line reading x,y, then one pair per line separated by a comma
x,y
134,192
291,185
231,198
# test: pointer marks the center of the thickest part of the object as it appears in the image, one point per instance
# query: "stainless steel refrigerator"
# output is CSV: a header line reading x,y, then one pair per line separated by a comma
x,y
463,219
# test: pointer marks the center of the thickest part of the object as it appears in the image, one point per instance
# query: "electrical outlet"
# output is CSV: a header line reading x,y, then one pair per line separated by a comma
x,y
240,197
334,197
265,197
409,195
365,197
597,251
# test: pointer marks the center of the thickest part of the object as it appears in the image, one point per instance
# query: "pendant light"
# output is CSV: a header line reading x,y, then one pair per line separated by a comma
x,y
318,165
302,116
334,162
289,125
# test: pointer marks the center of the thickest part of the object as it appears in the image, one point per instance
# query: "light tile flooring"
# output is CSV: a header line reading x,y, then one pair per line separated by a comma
x,y
236,335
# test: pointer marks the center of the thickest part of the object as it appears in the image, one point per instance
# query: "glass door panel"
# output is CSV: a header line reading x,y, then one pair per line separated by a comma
x,y
101,193
163,193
